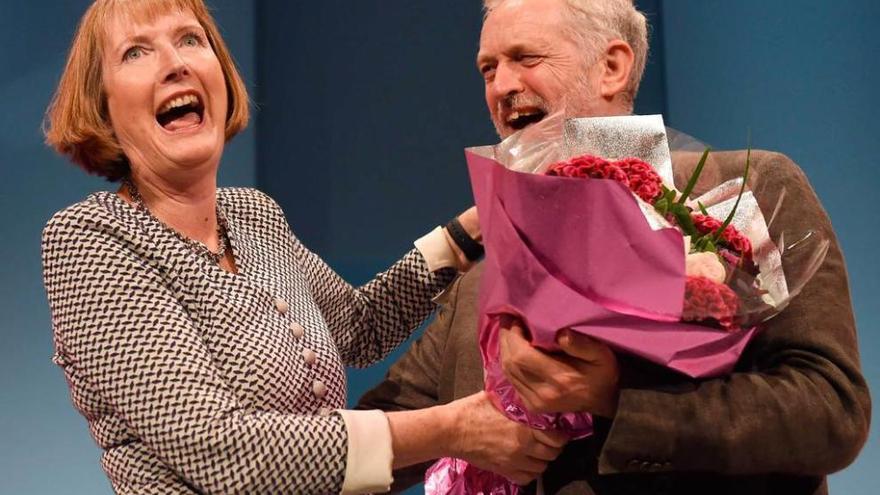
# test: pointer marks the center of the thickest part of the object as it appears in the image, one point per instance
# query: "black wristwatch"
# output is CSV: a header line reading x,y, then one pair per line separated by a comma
x,y
472,249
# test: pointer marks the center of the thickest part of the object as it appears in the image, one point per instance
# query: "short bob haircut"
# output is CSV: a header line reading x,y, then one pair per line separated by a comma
x,y
77,122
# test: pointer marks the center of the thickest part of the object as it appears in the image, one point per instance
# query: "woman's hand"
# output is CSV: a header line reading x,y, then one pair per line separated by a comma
x,y
473,429
484,437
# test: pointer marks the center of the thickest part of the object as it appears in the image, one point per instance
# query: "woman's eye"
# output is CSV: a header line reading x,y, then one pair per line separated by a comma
x,y
133,53
191,40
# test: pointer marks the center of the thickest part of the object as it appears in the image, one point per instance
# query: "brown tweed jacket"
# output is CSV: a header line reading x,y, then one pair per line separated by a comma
x,y
795,409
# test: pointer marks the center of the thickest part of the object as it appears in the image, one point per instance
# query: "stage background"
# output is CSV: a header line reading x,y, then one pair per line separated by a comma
x,y
362,109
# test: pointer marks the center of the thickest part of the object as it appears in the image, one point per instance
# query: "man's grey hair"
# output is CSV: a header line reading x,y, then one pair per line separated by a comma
x,y
596,22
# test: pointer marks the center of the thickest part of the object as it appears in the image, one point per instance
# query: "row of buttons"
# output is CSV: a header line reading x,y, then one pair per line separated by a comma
x,y
310,357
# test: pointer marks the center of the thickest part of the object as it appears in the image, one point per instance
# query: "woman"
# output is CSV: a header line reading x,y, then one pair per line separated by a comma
x,y
202,342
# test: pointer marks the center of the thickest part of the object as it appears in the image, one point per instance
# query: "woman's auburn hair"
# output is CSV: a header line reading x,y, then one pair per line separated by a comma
x,y
77,123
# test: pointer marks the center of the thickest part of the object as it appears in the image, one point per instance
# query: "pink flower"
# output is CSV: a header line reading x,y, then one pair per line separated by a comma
x,y
706,265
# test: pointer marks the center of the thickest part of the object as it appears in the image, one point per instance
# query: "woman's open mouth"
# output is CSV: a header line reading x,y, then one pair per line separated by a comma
x,y
182,112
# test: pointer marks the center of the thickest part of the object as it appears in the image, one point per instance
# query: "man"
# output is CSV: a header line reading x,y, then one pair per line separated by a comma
x,y
795,409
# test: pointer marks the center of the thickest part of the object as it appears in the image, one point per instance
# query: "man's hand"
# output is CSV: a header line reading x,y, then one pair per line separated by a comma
x,y
484,437
583,379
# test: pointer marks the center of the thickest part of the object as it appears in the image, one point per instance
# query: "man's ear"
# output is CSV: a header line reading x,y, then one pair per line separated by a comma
x,y
617,65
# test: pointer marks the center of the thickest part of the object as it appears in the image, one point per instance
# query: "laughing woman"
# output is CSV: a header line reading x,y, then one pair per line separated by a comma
x,y
201,341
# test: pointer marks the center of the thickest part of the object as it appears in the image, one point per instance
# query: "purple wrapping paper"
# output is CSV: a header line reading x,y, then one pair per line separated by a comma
x,y
574,253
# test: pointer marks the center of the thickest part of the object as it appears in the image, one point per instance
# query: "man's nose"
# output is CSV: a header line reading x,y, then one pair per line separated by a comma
x,y
175,67
507,81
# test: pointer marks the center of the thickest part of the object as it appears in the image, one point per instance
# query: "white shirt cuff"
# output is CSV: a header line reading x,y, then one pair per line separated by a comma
x,y
436,250
370,457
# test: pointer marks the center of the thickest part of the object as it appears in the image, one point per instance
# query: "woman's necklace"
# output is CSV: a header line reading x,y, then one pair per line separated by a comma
x,y
196,246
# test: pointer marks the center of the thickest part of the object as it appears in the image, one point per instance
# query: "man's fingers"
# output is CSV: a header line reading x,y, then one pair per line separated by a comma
x,y
581,346
517,330
528,391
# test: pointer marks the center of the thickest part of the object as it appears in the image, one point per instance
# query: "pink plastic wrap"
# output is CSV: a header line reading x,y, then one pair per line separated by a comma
x,y
450,476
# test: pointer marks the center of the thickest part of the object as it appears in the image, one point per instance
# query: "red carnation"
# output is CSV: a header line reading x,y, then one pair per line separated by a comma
x,y
582,166
643,180
708,300
613,172
636,174
738,242
731,237
706,224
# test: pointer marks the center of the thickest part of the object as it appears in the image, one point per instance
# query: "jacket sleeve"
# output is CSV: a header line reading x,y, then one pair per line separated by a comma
x,y
413,381
370,321
126,343
797,402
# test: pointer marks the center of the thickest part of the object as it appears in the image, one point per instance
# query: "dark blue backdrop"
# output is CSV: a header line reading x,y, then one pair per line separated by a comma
x,y
362,110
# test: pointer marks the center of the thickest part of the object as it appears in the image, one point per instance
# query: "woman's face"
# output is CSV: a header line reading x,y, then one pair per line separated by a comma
x,y
165,92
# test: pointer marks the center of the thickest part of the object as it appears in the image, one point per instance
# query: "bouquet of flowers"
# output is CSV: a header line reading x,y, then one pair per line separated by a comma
x,y
585,230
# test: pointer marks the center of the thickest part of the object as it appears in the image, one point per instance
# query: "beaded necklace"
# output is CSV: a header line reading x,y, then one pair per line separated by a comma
x,y
196,246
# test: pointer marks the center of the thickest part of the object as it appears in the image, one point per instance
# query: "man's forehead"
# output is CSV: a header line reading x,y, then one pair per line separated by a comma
x,y
520,24
513,12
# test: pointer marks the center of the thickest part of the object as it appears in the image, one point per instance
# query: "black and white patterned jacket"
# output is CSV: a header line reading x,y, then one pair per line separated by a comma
x,y
194,379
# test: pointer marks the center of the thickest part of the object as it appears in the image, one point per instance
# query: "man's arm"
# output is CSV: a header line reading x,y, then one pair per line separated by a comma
x,y
796,403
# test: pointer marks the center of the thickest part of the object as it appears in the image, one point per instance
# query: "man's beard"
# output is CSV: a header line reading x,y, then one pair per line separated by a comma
x,y
577,102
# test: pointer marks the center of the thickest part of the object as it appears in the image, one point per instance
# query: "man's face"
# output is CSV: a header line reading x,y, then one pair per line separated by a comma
x,y
531,66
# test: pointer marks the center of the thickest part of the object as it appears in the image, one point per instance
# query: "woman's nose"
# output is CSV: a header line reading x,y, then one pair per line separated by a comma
x,y
175,67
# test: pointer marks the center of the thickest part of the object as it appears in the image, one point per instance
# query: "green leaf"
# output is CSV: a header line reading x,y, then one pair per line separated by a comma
x,y
703,209
662,206
683,216
742,190
704,244
694,176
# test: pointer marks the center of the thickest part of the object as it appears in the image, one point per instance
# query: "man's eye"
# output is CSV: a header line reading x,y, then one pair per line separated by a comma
x,y
488,72
133,53
529,60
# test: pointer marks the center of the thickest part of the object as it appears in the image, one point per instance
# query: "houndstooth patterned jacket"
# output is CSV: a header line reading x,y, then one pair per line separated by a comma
x,y
196,380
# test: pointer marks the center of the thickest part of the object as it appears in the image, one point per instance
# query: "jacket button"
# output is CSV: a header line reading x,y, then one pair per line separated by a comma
x,y
309,356
319,389
281,305
297,330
